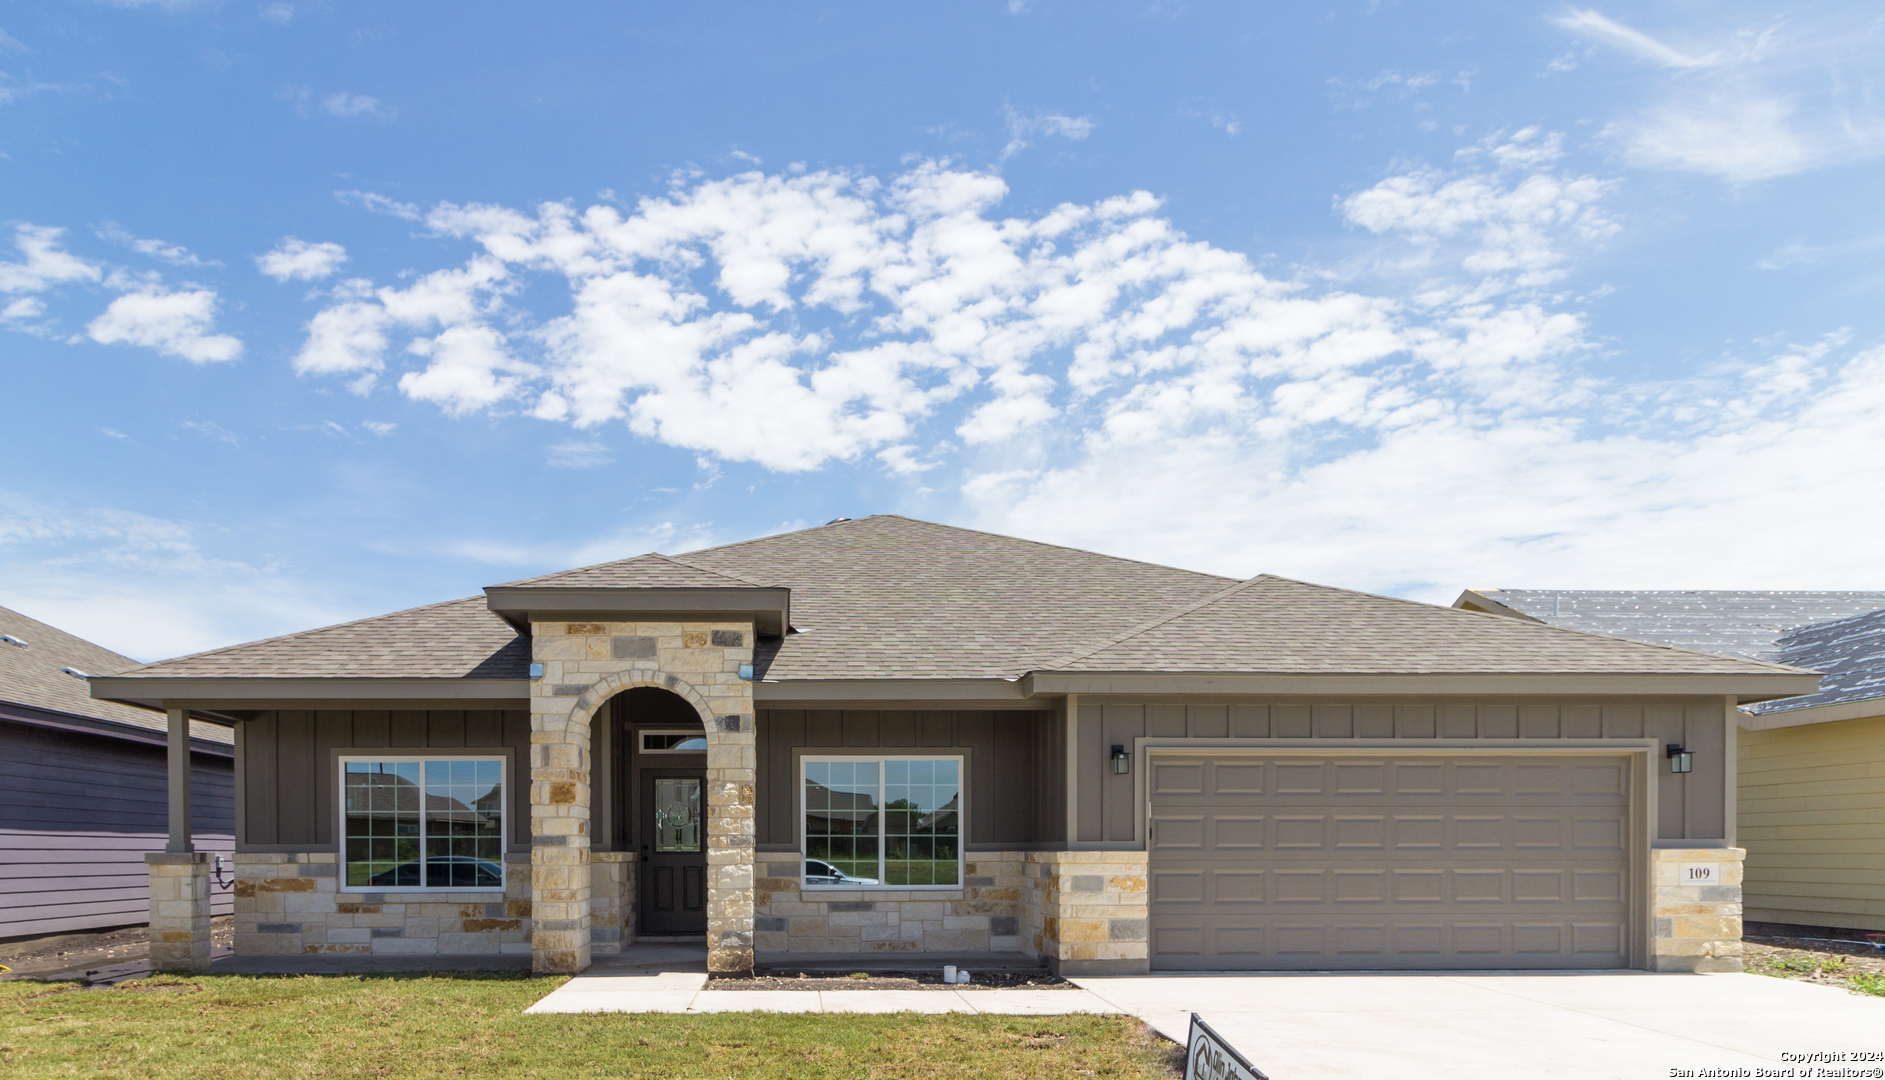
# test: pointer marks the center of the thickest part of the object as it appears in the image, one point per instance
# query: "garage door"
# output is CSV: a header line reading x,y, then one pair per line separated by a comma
x,y
1304,863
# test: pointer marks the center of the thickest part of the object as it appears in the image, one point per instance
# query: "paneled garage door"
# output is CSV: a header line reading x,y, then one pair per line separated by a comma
x,y
1311,863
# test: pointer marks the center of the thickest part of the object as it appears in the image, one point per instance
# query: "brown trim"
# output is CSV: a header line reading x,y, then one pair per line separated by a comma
x,y
898,693
769,609
306,692
1743,687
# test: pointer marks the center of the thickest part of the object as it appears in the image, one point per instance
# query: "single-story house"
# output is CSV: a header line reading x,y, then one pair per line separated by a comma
x,y
890,737
1810,787
83,789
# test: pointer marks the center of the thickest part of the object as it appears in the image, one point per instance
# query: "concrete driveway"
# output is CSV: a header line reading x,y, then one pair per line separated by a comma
x,y
1492,1024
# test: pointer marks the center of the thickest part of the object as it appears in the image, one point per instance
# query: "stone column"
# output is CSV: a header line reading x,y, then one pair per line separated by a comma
x,y
732,761
179,910
585,664
1695,925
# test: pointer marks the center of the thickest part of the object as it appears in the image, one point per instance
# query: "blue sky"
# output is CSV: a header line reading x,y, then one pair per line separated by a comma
x,y
314,311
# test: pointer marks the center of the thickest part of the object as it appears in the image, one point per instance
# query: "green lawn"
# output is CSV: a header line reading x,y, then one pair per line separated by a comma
x,y
470,1026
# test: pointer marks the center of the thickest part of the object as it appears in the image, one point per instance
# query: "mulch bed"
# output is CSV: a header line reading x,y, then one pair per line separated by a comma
x,y
811,979
1856,965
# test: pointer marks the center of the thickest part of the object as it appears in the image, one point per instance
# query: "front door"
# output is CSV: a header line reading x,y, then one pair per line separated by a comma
x,y
673,851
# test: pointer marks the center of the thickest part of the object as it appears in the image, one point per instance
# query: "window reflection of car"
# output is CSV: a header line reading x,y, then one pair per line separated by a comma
x,y
444,871
823,873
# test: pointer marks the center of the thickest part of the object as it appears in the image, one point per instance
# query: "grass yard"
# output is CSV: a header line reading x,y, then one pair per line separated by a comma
x,y
1856,967
168,1028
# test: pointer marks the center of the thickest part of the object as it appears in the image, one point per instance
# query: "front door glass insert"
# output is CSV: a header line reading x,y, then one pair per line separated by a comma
x,y
677,814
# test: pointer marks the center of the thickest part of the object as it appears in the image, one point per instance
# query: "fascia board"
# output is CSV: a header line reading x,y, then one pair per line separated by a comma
x,y
1472,599
1863,709
240,693
107,729
881,693
518,605
1744,688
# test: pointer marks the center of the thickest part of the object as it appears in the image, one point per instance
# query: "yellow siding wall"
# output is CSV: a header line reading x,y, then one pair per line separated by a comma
x,y
1812,818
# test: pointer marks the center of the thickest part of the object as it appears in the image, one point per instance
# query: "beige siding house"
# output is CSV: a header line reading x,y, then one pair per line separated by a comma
x,y
1810,778
887,738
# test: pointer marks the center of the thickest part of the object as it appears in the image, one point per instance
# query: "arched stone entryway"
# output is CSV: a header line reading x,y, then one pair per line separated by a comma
x,y
584,665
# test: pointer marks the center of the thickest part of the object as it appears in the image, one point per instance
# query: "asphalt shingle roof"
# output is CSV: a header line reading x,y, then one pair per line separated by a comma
x,y
889,597
1273,624
651,571
34,675
1851,653
458,639
1738,622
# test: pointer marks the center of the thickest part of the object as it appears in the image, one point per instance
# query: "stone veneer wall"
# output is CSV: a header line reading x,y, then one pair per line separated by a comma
x,y
585,664
984,916
1695,927
1086,911
180,884
291,905
611,900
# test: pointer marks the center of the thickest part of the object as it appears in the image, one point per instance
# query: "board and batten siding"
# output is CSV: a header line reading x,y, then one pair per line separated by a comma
x,y
1812,808
1014,788
291,789
78,813
1688,806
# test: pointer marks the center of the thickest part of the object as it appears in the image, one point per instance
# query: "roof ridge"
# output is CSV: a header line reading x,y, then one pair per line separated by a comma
x,y
978,532
704,569
298,634
1152,624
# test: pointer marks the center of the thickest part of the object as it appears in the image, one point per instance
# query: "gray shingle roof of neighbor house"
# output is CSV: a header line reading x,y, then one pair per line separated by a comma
x,y
1739,622
1275,624
33,673
1851,653
891,598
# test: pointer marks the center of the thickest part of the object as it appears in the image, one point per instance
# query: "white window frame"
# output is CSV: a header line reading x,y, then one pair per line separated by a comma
x,y
962,821
503,841
641,740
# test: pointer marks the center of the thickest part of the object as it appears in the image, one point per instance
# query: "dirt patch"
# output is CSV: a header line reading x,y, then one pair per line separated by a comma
x,y
1857,966
812,979
72,955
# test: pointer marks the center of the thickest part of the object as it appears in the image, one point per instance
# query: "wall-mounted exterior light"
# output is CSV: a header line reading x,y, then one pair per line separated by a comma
x,y
1680,760
536,671
1122,763
746,672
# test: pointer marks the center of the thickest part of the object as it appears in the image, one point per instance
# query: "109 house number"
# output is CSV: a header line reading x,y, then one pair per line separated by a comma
x,y
1698,874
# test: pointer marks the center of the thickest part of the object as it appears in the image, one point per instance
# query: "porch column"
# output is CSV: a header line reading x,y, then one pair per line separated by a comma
x,y
732,762
179,762
179,875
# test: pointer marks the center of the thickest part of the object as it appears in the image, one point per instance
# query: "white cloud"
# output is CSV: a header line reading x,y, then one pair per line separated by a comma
x,y
576,454
47,263
280,14
1759,103
298,260
349,105
379,427
12,44
1597,25
26,307
1023,127
174,254
174,323
142,585
798,319
379,204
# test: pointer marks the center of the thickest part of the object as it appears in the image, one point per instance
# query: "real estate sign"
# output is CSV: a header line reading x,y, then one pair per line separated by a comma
x,y
1209,1057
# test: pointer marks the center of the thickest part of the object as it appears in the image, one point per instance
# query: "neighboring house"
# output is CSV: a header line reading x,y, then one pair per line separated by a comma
x,y
82,788
887,737
1811,791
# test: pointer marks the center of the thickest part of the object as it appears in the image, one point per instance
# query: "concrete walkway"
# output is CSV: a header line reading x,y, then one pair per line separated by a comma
x,y
1482,1025
672,979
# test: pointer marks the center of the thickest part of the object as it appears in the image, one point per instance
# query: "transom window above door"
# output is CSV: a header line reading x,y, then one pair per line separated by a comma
x,y
889,823
673,742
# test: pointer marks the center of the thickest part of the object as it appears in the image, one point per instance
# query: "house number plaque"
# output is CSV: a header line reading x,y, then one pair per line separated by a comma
x,y
1698,873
